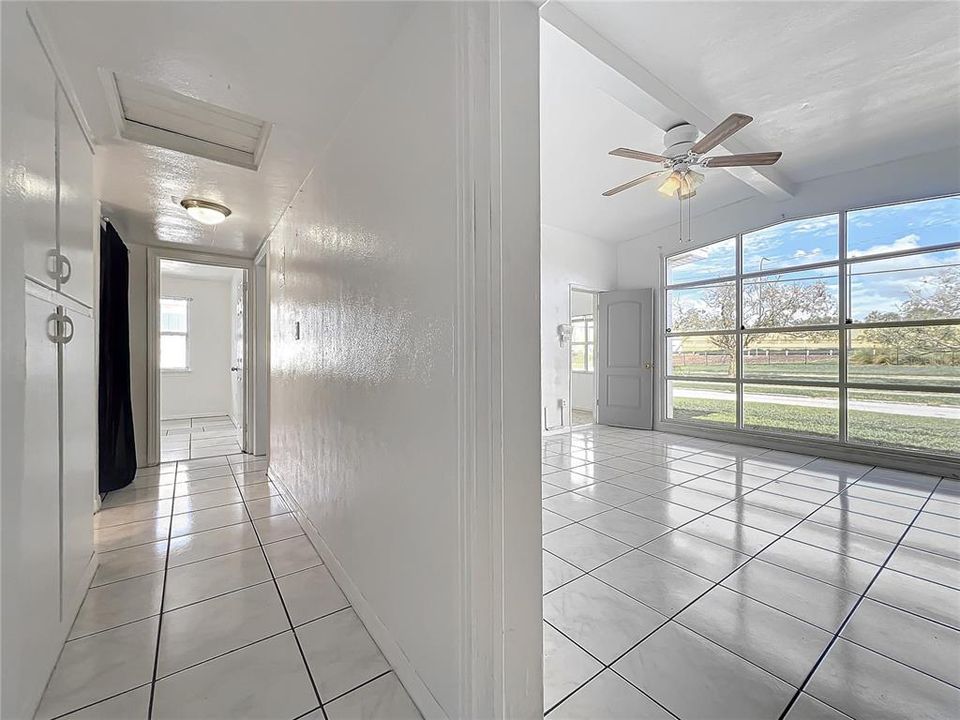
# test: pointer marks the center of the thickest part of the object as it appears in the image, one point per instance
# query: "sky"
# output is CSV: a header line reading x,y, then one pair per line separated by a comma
x,y
878,285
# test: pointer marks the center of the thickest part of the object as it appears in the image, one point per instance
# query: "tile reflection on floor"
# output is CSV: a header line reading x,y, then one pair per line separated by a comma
x,y
694,579
198,437
209,602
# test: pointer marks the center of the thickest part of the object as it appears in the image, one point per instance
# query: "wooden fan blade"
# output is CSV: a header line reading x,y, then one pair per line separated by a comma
x,y
765,158
633,183
637,155
721,132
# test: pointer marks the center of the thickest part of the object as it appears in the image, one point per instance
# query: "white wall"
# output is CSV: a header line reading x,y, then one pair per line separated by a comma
x,y
916,177
206,388
368,433
566,258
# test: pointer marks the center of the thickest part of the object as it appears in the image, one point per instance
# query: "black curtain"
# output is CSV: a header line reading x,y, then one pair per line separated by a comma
x,y
118,453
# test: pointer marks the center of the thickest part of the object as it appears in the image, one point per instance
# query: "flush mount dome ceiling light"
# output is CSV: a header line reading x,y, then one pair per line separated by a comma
x,y
209,213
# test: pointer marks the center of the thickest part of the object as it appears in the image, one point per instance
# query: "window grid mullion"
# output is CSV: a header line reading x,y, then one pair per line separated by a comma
x,y
843,327
739,325
843,315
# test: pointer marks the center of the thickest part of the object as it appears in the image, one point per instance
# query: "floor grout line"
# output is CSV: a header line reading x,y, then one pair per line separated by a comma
x,y
844,484
163,599
853,610
671,618
286,612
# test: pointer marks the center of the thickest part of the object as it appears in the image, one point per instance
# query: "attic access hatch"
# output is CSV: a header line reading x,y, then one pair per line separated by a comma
x,y
154,115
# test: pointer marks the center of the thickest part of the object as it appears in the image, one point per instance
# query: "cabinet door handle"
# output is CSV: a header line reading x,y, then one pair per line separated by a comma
x,y
53,264
65,269
55,319
67,323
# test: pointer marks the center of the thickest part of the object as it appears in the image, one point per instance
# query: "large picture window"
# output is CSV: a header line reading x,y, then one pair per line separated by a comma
x,y
843,327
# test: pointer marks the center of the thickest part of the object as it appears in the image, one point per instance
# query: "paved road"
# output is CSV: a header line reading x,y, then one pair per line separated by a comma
x,y
891,408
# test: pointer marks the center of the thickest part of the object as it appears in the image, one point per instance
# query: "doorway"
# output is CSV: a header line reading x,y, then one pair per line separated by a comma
x,y
583,385
199,332
199,353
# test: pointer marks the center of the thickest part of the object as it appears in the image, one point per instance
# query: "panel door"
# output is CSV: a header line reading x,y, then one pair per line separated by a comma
x,y
38,578
77,221
29,147
625,358
79,452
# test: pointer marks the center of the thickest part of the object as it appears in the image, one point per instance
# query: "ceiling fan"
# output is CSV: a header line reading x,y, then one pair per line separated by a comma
x,y
684,152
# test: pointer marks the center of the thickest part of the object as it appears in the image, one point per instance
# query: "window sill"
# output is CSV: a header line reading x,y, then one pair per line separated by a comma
x,y
175,371
582,372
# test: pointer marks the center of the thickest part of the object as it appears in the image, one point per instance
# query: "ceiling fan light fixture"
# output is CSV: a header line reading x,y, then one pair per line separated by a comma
x,y
681,184
205,211
671,185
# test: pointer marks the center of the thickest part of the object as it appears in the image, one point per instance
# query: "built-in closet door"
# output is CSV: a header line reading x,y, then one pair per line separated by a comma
x,y
39,518
79,395
29,148
76,222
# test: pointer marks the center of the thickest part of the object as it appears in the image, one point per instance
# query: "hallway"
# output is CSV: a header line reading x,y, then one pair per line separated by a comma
x,y
210,602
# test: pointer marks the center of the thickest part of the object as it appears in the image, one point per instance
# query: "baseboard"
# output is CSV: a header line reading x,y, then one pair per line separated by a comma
x,y
196,415
408,676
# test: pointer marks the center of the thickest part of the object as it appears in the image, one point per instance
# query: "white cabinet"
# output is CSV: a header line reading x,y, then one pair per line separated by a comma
x,y
29,148
75,230
78,420
48,374
38,576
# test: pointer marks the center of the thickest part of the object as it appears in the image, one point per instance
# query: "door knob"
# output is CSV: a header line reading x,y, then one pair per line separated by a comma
x,y
234,369
648,366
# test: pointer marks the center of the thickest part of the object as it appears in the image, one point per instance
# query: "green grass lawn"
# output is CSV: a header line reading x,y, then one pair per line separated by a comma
x,y
948,375
869,427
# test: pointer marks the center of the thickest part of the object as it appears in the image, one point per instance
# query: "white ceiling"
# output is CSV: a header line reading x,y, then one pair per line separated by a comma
x,y
197,271
580,122
297,65
835,86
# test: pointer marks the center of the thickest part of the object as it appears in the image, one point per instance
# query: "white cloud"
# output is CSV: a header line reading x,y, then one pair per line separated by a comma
x,y
907,242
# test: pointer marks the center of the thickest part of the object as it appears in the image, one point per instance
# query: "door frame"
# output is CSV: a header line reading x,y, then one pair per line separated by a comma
x,y
575,287
258,297
154,256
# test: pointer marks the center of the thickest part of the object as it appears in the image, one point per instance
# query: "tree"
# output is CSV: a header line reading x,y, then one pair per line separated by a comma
x,y
936,298
767,302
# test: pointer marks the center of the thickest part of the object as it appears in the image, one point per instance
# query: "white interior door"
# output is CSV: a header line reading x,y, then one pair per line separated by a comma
x,y
625,358
237,369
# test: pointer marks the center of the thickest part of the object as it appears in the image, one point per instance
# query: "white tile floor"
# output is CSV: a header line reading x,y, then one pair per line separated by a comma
x,y
198,437
692,579
211,603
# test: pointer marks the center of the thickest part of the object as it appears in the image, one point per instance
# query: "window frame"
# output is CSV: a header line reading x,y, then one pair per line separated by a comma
x,y
185,334
844,327
589,346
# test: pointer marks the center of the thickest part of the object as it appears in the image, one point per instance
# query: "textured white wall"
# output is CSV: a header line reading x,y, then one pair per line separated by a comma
x,y
566,258
205,390
364,406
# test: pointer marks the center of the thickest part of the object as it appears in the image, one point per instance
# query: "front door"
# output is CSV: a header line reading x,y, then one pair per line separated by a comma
x,y
625,358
